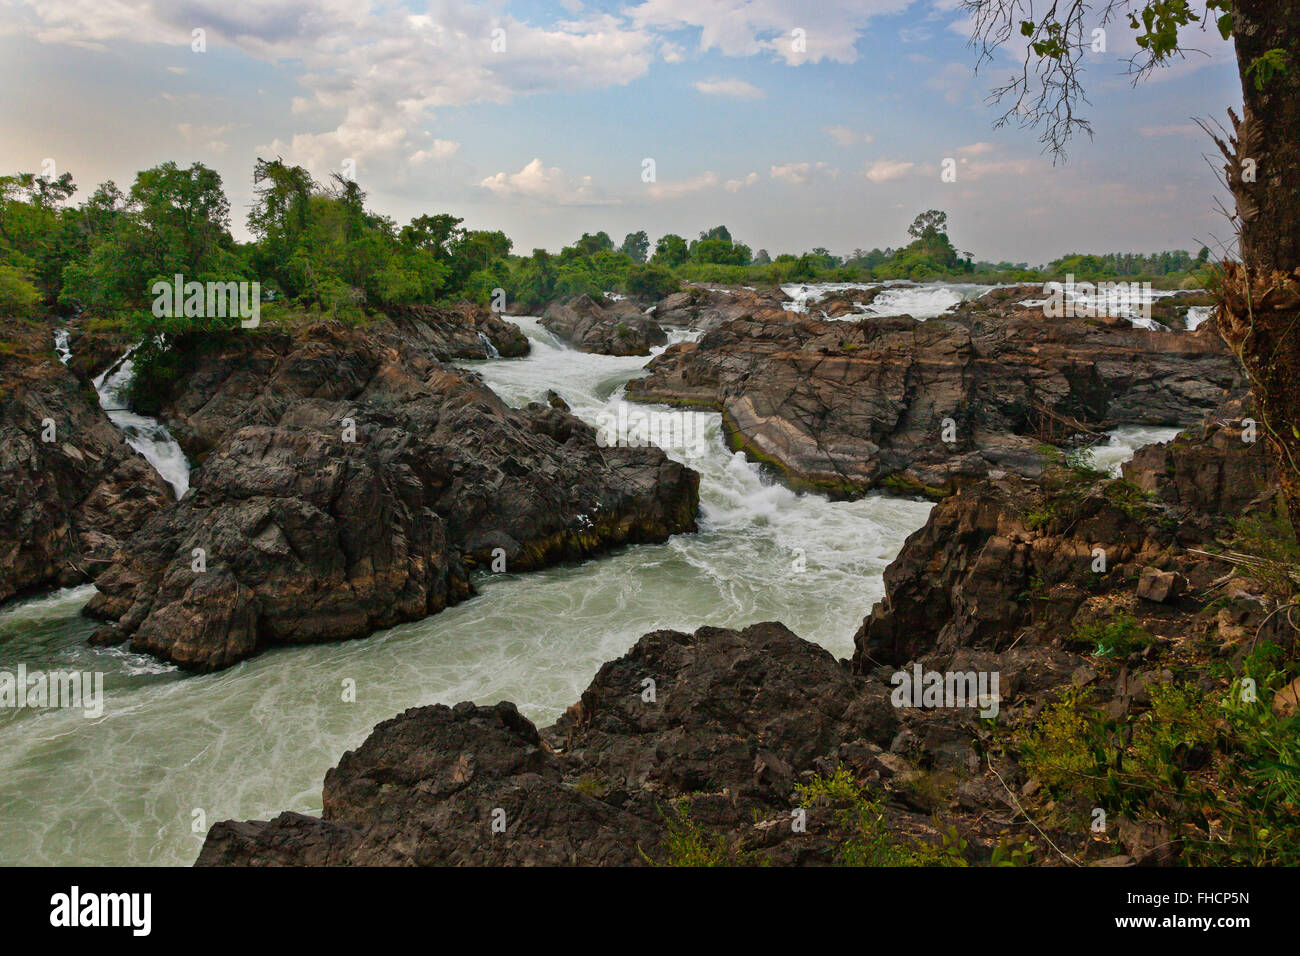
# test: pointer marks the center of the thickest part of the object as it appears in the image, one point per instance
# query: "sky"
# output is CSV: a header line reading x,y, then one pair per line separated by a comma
x,y
796,123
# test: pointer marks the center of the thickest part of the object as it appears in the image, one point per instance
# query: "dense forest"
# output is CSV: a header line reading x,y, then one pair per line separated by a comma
x,y
317,248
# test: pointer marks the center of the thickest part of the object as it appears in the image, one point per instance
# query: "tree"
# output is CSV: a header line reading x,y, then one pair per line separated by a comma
x,y
670,251
1259,296
928,226
436,234
589,245
636,246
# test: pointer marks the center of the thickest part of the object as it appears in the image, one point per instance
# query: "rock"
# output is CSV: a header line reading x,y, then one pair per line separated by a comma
x,y
458,332
843,407
1160,586
1287,700
700,307
66,503
348,481
609,328
1011,562
738,717
1208,469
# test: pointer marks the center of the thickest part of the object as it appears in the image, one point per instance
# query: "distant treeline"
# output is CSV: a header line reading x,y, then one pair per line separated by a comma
x,y
317,248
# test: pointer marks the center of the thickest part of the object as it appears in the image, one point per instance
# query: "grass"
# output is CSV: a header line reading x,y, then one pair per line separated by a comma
x,y
1215,766
1119,637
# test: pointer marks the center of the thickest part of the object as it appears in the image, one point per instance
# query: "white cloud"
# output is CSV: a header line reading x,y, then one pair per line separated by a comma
x,y
737,88
206,138
884,170
803,173
846,136
736,185
439,150
374,73
684,187
544,185
747,27
976,149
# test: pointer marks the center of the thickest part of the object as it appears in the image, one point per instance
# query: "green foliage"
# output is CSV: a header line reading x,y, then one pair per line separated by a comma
x,y
650,282
865,839
1119,636
1268,539
1218,767
689,844
18,295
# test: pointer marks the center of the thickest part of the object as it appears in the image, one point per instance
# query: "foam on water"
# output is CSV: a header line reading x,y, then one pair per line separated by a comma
x,y
1124,442
256,739
921,301
146,435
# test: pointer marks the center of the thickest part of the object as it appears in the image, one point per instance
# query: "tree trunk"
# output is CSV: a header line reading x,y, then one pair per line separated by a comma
x,y
1259,315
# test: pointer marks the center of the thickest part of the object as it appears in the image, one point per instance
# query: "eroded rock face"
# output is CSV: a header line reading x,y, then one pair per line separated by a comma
x,y
348,481
699,307
1015,562
458,332
924,407
736,717
66,503
608,328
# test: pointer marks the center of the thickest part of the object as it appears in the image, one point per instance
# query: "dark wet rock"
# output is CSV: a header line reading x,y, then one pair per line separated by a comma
x,y
1011,562
349,481
924,407
459,331
606,327
701,307
738,717
69,502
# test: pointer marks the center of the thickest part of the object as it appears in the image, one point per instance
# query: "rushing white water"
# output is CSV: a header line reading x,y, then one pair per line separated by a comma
x,y
256,739
1197,314
146,435
61,347
921,301
488,346
1124,442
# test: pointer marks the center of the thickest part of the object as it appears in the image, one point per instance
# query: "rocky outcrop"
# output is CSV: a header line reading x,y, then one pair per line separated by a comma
x,y
701,307
731,721
1014,562
73,489
706,748
349,480
923,407
463,331
608,328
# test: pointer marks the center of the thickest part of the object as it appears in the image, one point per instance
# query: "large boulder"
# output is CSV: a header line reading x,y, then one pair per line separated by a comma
x,y
69,501
607,327
348,482
734,720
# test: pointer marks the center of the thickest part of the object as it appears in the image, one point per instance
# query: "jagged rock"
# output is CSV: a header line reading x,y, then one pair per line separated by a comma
x,y
1160,586
348,479
738,717
698,307
458,332
609,328
922,407
1012,560
1209,468
66,503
